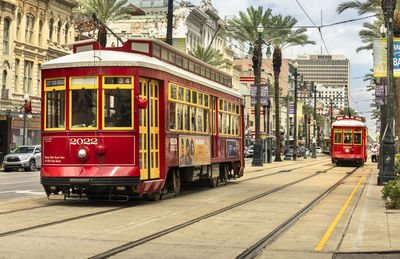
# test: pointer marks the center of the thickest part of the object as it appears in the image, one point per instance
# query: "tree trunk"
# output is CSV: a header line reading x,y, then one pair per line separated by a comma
x,y
102,36
277,63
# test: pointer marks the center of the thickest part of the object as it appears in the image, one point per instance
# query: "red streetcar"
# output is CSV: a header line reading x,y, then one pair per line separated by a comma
x,y
349,140
137,120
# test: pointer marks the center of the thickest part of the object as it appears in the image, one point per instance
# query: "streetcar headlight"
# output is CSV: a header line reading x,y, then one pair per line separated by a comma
x,y
82,153
347,150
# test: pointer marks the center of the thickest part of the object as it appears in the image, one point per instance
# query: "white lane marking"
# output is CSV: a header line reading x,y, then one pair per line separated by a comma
x,y
23,192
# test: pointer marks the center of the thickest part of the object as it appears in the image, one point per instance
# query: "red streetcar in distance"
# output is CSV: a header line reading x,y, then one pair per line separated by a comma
x,y
349,140
137,121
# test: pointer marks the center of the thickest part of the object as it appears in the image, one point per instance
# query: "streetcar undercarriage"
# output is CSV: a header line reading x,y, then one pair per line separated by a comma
x,y
125,188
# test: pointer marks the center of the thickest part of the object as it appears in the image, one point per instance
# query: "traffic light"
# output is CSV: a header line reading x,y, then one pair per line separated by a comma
x,y
28,107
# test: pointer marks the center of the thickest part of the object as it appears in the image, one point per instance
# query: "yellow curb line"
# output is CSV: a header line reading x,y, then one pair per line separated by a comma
x,y
19,203
328,233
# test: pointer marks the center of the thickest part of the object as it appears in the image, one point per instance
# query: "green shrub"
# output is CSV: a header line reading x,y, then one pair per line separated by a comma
x,y
391,194
391,190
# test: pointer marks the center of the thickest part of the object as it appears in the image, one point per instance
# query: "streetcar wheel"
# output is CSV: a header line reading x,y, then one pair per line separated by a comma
x,y
32,166
213,182
156,196
177,182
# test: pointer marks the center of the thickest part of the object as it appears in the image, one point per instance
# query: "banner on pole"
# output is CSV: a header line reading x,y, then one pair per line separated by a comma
x,y
380,57
264,95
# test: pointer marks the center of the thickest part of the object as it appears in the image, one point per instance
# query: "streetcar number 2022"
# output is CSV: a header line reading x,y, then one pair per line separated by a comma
x,y
83,141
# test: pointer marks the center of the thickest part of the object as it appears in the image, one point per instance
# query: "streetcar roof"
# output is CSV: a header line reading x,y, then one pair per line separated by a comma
x,y
348,123
111,58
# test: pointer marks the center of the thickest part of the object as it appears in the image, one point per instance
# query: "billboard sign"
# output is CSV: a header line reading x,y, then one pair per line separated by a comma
x,y
307,87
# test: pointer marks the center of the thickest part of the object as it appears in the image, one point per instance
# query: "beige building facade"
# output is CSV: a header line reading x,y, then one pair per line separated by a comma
x,y
31,33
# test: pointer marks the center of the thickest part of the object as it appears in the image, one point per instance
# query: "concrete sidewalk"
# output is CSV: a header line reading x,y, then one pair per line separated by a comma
x,y
373,228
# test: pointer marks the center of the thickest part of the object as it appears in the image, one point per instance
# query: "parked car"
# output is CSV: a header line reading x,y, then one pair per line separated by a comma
x,y
26,157
249,152
318,150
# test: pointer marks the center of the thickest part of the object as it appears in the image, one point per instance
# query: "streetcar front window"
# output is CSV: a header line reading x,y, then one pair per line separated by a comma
x,y
347,137
357,138
117,108
55,109
84,108
338,137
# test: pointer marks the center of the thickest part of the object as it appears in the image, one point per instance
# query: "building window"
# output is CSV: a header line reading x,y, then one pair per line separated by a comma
x,y
16,74
29,28
4,79
66,33
6,36
18,25
51,27
28,66
58,31
40,33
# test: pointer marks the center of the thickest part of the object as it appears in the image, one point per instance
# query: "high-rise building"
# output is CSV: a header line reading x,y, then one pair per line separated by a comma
x,y
330,71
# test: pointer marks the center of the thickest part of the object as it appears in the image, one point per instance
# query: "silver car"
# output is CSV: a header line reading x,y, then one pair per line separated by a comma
x,y
26,157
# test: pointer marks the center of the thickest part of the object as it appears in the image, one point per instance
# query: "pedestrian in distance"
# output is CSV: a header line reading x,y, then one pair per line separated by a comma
x,y
374,151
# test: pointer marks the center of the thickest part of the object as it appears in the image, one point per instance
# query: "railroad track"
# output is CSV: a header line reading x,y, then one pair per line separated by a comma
x,y
132,244
124,206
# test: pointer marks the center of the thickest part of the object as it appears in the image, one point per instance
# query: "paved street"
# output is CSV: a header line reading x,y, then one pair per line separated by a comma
x,y
223,222
19,184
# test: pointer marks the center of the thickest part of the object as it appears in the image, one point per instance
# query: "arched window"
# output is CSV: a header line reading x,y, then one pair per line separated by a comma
x,y
6,36
18,25
51,27
66,32
4,78
59,31
29,28
40,33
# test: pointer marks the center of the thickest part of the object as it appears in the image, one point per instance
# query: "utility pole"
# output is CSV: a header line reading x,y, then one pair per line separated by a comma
x,y
388,174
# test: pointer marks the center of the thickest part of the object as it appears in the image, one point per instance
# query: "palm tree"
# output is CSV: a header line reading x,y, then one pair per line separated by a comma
x,y
281,39
371,30
347,111
279,32
212,57
106,11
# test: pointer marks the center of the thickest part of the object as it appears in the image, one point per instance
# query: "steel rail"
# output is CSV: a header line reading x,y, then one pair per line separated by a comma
x,y
255,249
132,244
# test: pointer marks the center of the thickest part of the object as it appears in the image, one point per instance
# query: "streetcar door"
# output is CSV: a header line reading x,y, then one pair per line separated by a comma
x,y
149,131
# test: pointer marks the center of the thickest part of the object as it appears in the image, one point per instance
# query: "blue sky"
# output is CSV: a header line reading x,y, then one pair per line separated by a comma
x,y
341,39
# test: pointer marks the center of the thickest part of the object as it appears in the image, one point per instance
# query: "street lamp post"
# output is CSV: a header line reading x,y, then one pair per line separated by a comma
x,y
257,58
287,155
314,154
388,138
24,110
296,65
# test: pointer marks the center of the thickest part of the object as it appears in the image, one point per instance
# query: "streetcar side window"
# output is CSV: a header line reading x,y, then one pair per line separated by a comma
x,y
338,137
55,104
357,137
228,118
347,137
117,102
